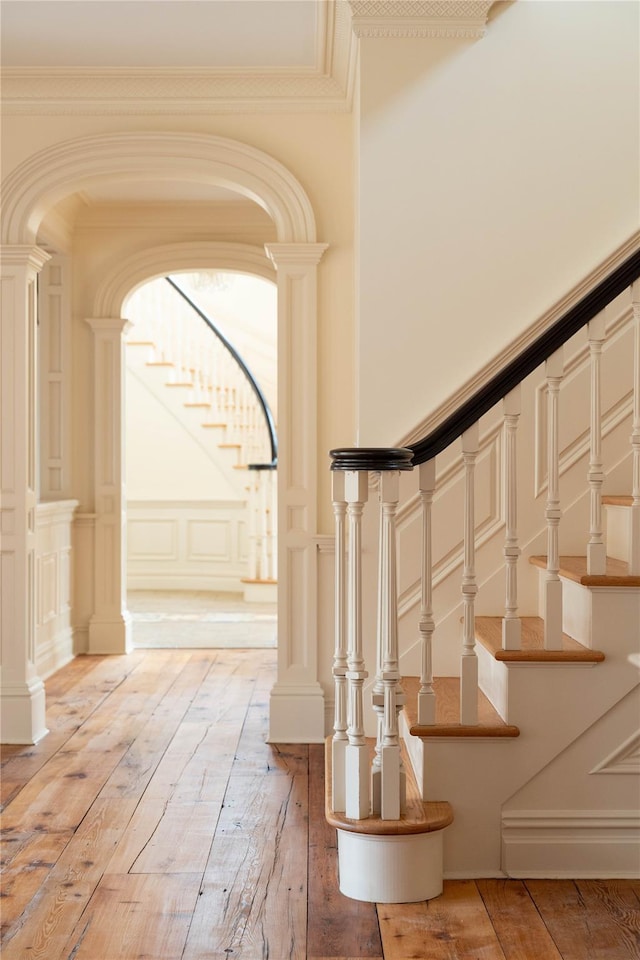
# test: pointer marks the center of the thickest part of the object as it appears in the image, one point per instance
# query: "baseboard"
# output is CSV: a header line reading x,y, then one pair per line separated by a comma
x,y
571,843
55,654
212,583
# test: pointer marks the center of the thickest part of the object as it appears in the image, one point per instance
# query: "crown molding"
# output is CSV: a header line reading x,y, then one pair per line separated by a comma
x,y
417,19
326,87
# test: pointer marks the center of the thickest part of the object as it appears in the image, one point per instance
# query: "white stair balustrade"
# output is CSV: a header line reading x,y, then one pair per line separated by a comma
x,y
340,738
511,624
553,587
469,658
357,787
426,695
596,551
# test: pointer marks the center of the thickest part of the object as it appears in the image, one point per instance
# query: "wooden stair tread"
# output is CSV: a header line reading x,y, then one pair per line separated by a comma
x,y
210,426
203,405
489,634
490,723
183,384
420,816
575,568
617,500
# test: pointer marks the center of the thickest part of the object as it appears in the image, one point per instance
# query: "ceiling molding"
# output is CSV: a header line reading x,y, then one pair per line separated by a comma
x,y
417,19
326,87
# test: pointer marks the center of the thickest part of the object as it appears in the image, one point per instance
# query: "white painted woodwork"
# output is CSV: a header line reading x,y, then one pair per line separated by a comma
x,y
596,550
469,658
22,692
426,695
357,774
186,545
511,627
392,777
297,699
340,739
54,632
387,869
110,624
262,525
55,381
634,556
552,587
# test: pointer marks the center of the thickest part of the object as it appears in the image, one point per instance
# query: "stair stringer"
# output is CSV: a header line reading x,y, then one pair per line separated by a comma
x,y
579,816
552,704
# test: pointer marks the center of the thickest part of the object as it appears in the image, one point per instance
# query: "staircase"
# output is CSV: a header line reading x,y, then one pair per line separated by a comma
x,y
180,357
522,746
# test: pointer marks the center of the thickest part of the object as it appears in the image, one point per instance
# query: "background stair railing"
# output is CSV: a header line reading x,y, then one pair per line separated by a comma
x,y
360,787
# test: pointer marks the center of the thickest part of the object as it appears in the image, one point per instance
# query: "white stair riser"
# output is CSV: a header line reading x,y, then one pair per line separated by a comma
x,y
618,538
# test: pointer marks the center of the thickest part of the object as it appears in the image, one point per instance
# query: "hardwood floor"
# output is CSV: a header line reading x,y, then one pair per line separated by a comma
x,y
155,822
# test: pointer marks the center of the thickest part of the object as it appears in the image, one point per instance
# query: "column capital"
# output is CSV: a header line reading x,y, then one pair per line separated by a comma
x,y
305,254
108,324
418,19
23,255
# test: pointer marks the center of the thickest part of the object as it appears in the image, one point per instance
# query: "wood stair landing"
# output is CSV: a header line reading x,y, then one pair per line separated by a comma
x,y
489,634
420,816
617,500
575,568
490,723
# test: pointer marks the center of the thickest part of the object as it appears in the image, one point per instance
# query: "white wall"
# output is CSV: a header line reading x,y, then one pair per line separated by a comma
x,y
494,175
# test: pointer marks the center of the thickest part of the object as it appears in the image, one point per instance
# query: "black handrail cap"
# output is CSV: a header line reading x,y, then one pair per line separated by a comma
x,y
371,458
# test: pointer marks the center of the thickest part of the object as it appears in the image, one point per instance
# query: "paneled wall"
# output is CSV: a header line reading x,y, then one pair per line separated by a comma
x,y
54,635
186,544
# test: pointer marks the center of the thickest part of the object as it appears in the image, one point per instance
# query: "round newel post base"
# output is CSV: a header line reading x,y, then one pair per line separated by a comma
x,y
390,869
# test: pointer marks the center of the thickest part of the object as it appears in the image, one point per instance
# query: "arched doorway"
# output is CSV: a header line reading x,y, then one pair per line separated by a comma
x,y
297,707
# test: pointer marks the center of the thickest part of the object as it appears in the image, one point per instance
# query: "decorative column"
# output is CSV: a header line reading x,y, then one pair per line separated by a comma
x,y
296,711
340,738
110,625
22,691
54,382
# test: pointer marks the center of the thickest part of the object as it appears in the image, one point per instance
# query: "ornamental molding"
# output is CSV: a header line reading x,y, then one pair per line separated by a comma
x,y
325,87
625,759
417,19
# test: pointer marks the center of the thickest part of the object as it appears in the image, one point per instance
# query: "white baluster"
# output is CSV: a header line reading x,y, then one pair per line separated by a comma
x,y
596,551
274,514
357,805
262,520
340,738
426,696
469,659
393,777
511,625
552,607
634,550
252,533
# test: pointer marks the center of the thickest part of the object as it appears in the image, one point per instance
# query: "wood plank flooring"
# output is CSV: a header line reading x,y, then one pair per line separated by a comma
x,y
155,823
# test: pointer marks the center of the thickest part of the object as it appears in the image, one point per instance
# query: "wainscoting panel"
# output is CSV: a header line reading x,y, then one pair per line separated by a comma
x,y
54,635
186,545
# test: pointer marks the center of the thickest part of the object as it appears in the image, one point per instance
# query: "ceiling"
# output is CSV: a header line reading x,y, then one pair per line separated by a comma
x,y
231,34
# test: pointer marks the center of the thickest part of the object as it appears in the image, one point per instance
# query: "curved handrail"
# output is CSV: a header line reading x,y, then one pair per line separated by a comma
x,y
539,351
262,401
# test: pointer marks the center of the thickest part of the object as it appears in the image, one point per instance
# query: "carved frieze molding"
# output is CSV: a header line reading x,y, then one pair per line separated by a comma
x,y
327,86
414,19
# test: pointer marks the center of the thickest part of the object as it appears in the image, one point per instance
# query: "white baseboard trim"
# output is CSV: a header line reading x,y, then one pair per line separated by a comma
x,y
213,583
571,843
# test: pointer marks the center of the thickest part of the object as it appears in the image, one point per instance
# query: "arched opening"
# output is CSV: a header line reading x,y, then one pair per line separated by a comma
x,y
31,192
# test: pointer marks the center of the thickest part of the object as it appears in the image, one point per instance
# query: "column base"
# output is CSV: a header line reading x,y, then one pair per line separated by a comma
x,y
22,712
296,714
110,636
